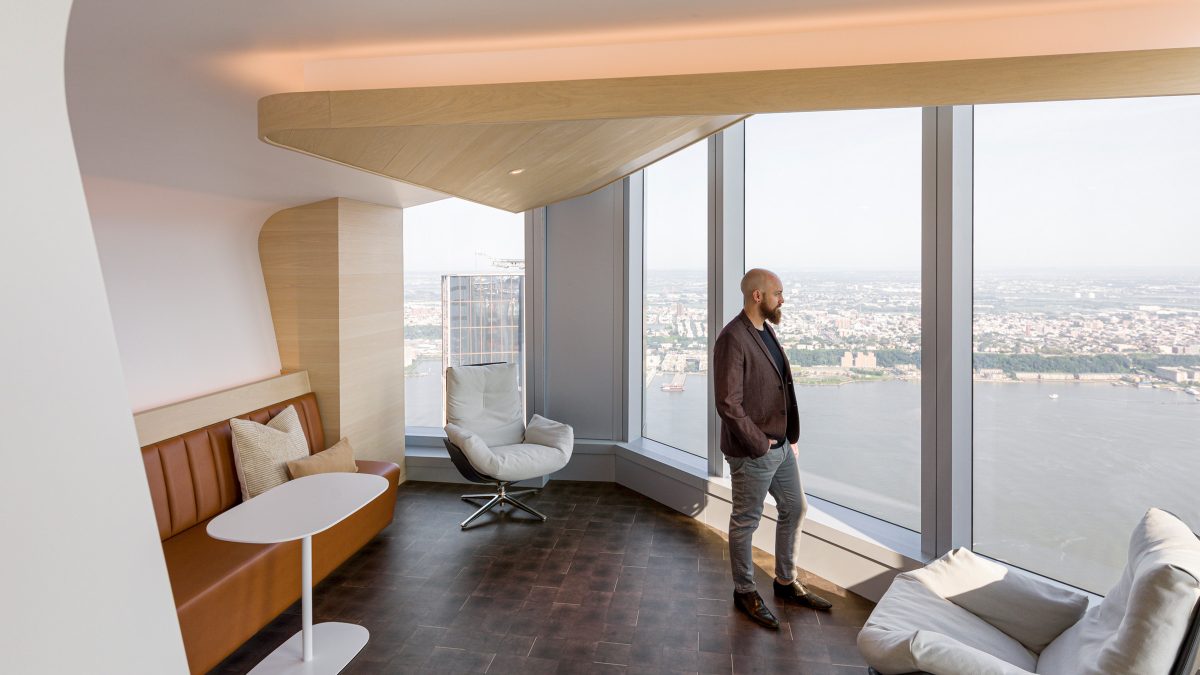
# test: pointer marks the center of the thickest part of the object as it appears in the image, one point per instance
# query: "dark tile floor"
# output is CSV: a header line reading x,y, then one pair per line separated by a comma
x,y
612,582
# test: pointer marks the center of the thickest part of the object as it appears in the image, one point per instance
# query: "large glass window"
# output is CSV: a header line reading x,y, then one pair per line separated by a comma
x,y
675,321
833,206
464,281
1086,329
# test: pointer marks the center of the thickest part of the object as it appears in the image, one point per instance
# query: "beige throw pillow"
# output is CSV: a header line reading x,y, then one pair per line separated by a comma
x,y
261,451
338,459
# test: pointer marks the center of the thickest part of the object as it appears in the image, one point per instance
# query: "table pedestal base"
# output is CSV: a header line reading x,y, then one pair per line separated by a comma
x,y
334,645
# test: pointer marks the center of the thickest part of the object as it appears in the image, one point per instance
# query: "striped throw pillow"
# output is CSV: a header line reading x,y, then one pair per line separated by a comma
x,y
261,451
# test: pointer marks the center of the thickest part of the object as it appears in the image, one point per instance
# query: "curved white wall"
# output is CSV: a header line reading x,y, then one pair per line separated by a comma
x,y
186,288
85,586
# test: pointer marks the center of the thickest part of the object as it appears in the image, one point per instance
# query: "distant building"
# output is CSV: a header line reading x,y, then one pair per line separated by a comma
x,y
1052,377
1175,374
858,360
482,319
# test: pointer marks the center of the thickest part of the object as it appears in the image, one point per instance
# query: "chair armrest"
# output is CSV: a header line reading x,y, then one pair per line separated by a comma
x,y
475,449
1027,608
547,432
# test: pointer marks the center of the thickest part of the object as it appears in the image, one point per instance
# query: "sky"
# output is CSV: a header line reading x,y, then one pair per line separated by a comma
x,y
1088,184
454,235
834,190
676,211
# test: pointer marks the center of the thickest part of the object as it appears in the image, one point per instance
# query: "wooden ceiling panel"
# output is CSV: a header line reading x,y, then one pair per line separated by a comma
x,y
570,138
369,149
559,160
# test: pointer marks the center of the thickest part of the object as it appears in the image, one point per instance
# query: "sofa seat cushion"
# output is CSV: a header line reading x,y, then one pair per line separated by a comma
x,y
521,461
199,564
514,462
225,592
914,629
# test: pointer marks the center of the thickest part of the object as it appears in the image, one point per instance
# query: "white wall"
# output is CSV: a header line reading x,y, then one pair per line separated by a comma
x,y
85,586
185,286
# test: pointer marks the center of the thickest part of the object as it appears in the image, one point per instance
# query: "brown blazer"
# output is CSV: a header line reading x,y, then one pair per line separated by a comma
x,y
755,401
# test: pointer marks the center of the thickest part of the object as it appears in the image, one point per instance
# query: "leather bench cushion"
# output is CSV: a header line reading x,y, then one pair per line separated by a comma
x,y
226,592
192,476
335,545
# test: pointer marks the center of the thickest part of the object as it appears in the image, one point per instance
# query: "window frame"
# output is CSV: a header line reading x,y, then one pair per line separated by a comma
x,y
946,319
947,311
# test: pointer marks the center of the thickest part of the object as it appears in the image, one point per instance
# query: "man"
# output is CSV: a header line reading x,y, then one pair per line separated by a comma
x,y
759,419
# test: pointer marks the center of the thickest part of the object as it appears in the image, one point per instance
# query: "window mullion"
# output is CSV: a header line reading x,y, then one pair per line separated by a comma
x,y
951,351
726,253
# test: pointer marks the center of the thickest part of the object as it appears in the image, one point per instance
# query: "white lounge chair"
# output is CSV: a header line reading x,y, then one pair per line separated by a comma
x,y
488,440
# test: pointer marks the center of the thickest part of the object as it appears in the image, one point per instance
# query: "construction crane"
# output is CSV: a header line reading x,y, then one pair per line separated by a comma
x,y
503,263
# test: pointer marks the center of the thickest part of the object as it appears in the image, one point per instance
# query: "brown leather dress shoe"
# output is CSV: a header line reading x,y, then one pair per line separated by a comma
x,y
753,606
800,595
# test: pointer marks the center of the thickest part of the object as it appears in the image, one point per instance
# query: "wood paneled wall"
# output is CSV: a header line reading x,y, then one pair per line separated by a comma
x,y
334,273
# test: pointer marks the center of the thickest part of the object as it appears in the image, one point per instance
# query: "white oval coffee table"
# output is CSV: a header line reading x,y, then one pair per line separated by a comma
x,y
298,509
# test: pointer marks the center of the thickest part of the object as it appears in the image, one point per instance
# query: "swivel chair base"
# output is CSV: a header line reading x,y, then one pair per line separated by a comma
x,y
501,497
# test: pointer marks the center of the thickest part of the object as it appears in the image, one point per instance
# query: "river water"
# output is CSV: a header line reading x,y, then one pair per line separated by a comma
x,y
1059,483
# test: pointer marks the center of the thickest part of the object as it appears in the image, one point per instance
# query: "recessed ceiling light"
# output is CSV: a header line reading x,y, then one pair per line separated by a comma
x,y
515,172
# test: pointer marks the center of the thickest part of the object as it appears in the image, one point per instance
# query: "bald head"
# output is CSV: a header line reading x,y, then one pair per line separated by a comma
x,y
762,293
758,279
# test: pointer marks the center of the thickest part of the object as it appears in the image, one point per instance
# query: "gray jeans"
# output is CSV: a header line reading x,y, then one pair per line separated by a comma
x,y
753,477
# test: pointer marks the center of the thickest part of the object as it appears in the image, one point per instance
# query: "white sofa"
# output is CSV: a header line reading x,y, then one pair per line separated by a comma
x,y
966,615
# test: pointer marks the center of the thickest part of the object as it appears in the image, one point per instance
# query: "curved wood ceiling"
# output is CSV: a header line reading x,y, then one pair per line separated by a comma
x,y
570,138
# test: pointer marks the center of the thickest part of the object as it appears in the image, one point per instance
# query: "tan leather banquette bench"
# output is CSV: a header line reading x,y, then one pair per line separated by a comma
x,y
225,592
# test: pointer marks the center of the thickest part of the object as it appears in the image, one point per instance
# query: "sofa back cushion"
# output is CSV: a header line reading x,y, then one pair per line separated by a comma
x,y
1002,597
192,476
1142,622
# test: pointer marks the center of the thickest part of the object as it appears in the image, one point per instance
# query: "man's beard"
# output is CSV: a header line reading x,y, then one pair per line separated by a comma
x,y
773,316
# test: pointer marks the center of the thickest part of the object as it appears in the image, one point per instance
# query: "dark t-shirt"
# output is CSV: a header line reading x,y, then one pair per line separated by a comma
x,y
773,347
781,365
